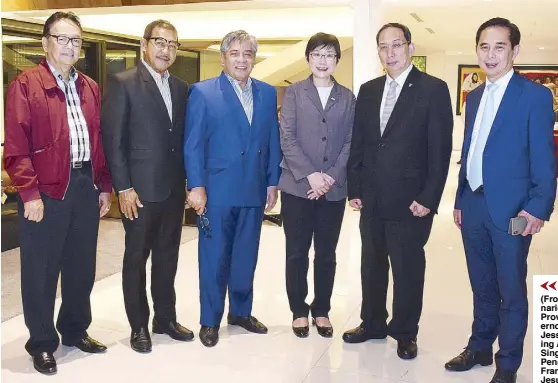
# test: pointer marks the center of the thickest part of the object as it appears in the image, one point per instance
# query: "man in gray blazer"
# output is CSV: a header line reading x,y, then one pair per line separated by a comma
x,y
316,127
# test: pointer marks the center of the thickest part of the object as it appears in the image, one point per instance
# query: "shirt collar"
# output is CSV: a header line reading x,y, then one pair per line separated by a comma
x,y
58,76
236,83
503,81
154,74
400,80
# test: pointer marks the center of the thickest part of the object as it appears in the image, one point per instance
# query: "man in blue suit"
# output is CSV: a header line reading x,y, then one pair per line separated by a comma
x,y
508,170
232,154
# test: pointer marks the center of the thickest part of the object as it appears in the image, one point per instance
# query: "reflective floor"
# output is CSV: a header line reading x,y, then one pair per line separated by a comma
x,y
279,356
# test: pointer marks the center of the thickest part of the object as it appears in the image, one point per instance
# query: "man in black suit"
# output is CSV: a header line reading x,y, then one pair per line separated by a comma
x,y
142,121
397,170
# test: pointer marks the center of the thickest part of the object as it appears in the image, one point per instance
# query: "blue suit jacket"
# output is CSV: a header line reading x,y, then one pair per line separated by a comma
x,y
233,160
519,163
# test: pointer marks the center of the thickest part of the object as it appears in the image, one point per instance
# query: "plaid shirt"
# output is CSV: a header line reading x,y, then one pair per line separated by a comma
x,y
244,95
79,136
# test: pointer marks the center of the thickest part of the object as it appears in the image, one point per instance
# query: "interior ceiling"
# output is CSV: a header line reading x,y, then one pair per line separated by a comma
x,y
454,22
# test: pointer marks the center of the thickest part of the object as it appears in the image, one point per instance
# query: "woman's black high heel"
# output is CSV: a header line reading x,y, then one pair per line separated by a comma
x,y
326,332
301,332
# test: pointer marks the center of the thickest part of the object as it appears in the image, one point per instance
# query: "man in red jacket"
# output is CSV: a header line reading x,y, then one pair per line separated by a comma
x,y
54,156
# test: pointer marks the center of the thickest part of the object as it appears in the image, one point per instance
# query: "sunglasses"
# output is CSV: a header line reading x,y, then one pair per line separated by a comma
x,y
204,223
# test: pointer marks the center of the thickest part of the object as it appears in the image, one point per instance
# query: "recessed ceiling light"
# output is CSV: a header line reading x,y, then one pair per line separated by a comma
x,y
541,48
459,53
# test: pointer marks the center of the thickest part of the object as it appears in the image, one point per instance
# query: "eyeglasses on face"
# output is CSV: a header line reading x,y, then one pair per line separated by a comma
x,y
395,46
162,43
63,40
328,56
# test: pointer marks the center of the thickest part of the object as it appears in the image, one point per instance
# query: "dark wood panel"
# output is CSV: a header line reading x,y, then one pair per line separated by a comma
x,y
33,5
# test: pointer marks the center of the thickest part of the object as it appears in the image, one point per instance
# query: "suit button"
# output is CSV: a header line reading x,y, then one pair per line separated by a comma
x,y
259,151
325,159
172,150
323,120
170,130
324,138
382,145
242,153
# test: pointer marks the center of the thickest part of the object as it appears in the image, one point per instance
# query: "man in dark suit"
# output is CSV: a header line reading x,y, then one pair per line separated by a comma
x,y
143,126
397,170
508,171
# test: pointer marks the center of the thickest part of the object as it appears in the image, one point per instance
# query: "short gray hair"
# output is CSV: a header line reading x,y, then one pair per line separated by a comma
x,y
239,36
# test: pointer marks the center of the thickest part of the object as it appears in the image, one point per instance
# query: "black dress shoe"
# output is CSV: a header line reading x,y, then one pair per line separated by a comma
x,y
209,336
45,363
141,341
324,331
407,349
361,334
89,345
468,359
248,323
173,329
503,376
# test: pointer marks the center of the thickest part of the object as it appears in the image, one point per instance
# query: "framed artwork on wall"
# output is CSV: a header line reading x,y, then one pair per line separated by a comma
x,y
546,75
471,76
468,78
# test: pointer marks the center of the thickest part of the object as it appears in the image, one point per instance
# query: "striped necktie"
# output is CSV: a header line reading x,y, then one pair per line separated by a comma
x,y
391,98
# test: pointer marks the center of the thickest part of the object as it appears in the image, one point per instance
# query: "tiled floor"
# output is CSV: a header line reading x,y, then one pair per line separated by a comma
x,y
279,356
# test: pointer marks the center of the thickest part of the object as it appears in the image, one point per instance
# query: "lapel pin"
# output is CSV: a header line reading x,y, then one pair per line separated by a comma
x,y
410,85
332,99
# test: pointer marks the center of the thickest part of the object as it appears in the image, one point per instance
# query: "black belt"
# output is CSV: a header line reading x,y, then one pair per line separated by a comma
x,y
80,164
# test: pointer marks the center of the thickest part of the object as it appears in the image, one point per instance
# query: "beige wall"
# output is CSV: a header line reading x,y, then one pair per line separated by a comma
x,y
210,64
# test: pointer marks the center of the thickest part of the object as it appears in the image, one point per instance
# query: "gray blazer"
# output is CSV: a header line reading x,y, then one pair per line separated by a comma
x,y
314,139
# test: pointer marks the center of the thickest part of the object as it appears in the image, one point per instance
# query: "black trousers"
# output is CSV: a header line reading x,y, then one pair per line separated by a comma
x,y
400,243
64,242
156,231
302,220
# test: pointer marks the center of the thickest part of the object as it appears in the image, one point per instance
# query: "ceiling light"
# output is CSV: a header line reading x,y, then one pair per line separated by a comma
x,y
417,17
541,48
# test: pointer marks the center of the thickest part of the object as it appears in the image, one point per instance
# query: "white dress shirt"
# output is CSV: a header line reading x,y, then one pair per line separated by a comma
x,y
400,80
324,92
502,83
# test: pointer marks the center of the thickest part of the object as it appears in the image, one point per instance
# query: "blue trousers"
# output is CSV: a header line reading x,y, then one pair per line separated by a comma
x,y
227,260
497,264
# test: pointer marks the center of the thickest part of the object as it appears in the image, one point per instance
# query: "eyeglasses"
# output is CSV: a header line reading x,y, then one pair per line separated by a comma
x,y
328,56
63,40
204,223
395,46
162,43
